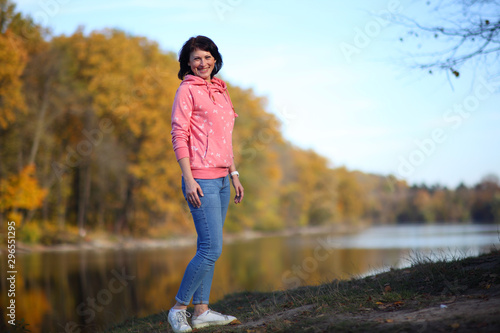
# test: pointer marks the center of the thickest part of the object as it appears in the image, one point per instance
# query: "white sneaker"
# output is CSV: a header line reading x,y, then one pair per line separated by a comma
x,y
211,317
178,320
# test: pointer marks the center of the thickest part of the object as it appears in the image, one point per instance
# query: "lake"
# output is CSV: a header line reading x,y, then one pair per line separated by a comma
x,y
88,290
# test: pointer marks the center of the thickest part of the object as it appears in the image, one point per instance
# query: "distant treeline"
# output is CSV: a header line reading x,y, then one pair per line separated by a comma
x,y
85,145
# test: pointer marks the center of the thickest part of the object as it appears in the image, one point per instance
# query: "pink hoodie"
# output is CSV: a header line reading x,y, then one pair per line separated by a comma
x,y
202,126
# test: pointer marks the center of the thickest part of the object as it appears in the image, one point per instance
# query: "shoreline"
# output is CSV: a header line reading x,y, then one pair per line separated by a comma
x,y
399,300
129,243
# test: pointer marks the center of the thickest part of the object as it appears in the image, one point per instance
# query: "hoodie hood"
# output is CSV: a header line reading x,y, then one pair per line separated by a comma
x,y
198,81
217,85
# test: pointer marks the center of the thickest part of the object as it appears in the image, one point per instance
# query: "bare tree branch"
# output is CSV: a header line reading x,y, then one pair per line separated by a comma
x,y
464,30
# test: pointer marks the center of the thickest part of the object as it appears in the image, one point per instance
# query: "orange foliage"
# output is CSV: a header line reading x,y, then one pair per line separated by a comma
x,y
21,191
13,59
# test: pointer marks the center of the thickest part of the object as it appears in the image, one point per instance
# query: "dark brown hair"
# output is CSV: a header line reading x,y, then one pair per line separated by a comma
x,y
198,43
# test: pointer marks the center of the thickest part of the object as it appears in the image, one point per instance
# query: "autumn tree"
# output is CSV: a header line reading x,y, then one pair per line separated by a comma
x,y
13,57
351,197
309,190
20,191
461,203
485,207
129,89
385,197
256,144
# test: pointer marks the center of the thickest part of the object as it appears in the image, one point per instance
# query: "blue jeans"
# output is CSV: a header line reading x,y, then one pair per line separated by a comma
x,y
208,221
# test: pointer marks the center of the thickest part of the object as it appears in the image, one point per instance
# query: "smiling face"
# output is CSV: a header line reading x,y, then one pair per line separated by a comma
x,y
202,64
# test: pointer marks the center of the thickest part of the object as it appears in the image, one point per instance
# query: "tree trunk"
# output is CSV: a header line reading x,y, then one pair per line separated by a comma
x,y
40,121
83,197
61,206
123,219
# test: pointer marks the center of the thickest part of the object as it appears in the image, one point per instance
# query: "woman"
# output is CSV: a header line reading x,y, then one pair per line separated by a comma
x,y
202,126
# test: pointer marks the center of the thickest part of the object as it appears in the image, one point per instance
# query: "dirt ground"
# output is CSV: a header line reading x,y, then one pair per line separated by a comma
x,y
474,312
467,310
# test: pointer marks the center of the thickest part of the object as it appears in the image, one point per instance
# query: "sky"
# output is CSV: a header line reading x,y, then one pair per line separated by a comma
x,y
334,73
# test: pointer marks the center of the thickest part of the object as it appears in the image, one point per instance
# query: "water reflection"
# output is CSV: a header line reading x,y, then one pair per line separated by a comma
x,y
59,291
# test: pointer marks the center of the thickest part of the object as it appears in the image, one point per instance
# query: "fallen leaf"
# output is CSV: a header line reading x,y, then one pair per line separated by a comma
x,y
235,322
322,307
379,303
389,320
455,326
387,289
451,300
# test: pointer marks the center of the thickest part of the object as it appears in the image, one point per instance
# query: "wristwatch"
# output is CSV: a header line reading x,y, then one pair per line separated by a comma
x,y
235,173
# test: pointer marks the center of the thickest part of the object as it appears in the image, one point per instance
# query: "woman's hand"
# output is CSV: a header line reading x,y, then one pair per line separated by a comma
x,y
193,192
193,189
238,188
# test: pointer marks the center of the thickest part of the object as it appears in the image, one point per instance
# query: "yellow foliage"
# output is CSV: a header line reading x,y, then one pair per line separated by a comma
x,y
15,216
13,60
30,233
350,196
21,191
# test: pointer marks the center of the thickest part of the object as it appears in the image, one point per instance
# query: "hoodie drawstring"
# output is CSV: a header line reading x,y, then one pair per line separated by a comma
x,y
219,86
